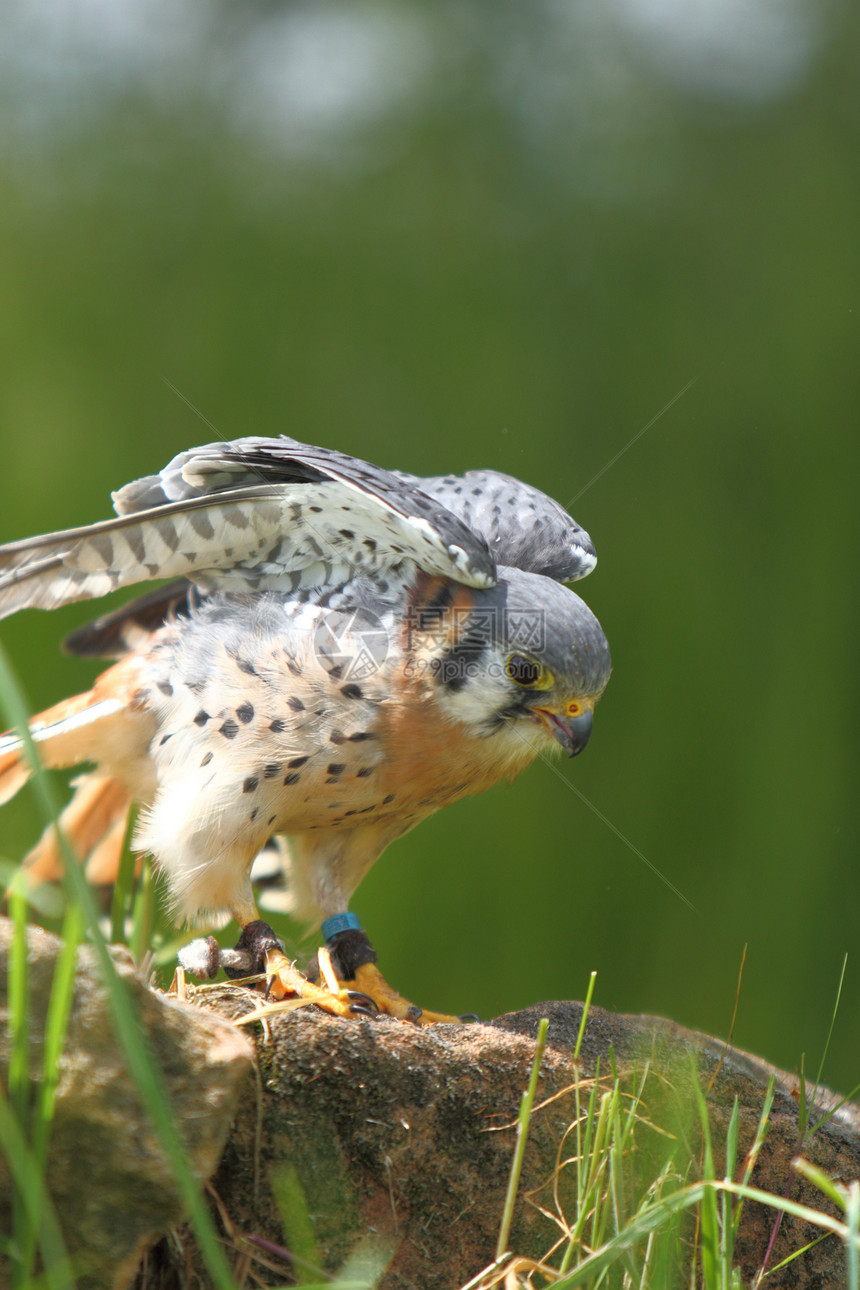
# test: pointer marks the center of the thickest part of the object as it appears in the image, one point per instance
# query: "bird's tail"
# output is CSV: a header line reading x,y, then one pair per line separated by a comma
x,y
81,729
94,824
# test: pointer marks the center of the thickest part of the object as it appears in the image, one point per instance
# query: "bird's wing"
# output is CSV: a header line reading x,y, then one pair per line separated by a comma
x,y
254,514
523,528
121,631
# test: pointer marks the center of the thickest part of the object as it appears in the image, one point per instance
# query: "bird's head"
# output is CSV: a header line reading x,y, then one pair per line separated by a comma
x,y
525,659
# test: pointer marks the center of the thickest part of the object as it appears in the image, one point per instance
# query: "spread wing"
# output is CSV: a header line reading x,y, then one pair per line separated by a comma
x,y
254,514
523,528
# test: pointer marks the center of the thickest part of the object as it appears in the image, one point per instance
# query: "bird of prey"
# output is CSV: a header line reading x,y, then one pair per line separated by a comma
x,y
340,651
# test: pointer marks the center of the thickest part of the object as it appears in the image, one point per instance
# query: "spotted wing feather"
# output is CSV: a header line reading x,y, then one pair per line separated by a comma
x,y
256,514
523,528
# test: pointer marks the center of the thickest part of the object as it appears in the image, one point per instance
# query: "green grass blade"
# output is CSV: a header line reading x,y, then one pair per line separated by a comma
x,y
143,913
56,1024
821,1180
19,1071
802,1104
29,1183
146,1073
592,981
19,1010
798,1254
296,1221
830,1028
850,1096
709,1216
648,1219
732,1139
123,892
852,1239
727,1227
522,1134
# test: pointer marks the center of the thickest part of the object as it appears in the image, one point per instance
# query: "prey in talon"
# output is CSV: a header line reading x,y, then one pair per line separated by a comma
x,y
338,652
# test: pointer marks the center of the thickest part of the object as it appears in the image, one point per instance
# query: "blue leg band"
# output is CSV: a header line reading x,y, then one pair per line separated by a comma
x,y
340,923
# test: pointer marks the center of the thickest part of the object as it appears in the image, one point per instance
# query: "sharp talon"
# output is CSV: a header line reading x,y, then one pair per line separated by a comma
x,y
358,1010
469,1016
414,1013
363,1001
270,981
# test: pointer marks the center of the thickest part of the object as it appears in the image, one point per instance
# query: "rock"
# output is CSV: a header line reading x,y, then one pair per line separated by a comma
x,y
376,1141
109,1181
400,1140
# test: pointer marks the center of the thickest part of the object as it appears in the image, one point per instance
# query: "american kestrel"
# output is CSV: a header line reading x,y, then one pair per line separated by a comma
x,y
347,650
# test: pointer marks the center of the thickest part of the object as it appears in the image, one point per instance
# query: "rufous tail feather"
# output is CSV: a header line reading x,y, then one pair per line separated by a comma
x,y
94,823
86,727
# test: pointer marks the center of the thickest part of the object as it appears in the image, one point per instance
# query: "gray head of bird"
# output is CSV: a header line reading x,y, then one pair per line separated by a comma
x,y
526,657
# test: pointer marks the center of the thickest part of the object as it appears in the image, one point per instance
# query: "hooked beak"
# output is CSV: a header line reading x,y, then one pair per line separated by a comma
x,y
572,733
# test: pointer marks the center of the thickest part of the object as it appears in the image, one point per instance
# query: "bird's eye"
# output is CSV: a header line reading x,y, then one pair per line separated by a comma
x,y
526,671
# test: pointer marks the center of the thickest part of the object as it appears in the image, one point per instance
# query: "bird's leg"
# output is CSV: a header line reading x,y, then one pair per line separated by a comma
x,y
355,988
258,952
283,978
354,960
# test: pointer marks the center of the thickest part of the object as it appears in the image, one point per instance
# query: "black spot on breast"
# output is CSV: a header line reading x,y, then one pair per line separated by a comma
x,y
295,703
273,769
336,736
352,691
347,533
337,768
361,737
297,761
229,730
364,772
389,798
164,739
165,687
201,718
250,784
278,726
245,713
244,666
370,543
272,819
292,779
317,510
336,672
294,667
206,760
253,814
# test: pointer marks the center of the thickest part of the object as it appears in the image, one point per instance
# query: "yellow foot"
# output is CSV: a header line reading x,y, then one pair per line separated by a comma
x,y
367,995
370,982
287,987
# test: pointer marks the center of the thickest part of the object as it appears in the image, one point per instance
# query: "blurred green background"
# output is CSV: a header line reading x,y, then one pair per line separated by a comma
x,y
501,235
